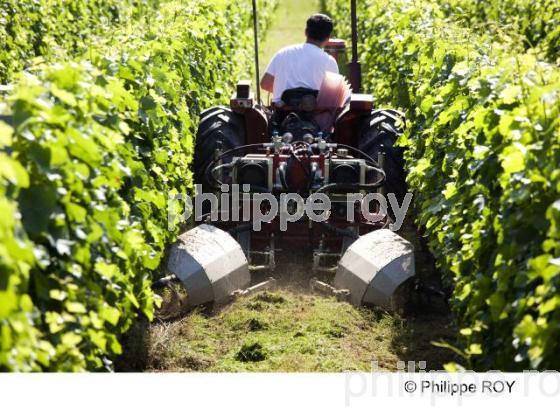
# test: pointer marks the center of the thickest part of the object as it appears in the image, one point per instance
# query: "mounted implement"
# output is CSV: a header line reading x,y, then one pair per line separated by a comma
x,y
258,166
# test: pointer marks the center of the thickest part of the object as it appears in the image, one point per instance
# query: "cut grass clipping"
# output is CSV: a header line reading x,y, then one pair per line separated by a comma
x,y
283,331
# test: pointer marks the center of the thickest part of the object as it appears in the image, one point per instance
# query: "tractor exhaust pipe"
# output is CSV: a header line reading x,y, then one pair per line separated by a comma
x,y
256,36
354,67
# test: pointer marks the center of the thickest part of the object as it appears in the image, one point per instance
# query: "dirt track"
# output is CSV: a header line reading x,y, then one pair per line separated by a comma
x,y
291,329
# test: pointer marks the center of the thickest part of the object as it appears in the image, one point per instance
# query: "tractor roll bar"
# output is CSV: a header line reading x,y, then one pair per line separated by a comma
x,y
256,36
354,67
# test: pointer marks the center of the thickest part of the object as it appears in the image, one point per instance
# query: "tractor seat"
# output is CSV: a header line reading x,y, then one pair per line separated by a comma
x,y
299,114
299,99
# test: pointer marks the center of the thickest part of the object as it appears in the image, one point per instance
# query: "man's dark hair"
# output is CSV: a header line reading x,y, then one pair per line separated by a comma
x,y
319,27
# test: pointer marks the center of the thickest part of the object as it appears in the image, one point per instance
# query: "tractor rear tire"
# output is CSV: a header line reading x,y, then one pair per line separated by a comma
x,y
379,134
218,126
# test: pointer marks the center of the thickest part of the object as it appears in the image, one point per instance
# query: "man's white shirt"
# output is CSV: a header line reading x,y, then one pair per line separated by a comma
x,y
300,65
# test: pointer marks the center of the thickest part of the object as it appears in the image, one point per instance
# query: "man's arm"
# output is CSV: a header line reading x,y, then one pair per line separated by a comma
x,y
267,82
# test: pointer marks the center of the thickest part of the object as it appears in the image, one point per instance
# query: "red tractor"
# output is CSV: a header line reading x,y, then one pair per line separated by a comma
x,y
281,150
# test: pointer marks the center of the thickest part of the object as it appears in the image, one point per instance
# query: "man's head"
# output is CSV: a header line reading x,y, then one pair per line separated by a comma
x,y
319,29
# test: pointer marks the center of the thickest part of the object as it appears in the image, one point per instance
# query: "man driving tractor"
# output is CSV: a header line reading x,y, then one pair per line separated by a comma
x,y
318,137
301,66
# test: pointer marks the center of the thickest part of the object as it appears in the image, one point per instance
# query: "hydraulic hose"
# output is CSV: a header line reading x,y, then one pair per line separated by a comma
x,y
219,168
366,156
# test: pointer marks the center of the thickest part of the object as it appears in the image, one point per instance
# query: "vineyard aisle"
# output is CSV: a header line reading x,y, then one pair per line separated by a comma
x,y
291,329
288,25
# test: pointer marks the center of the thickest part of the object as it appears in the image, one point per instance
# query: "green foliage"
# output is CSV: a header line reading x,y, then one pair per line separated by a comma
x,y
21,346
51,29
97,146
483,155
537,21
